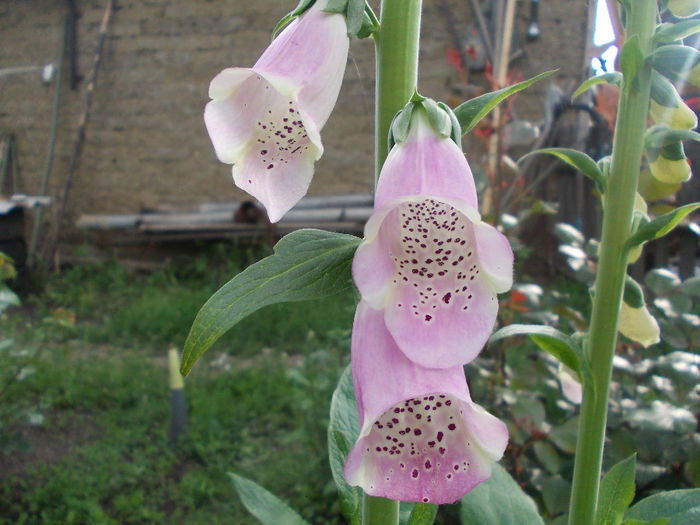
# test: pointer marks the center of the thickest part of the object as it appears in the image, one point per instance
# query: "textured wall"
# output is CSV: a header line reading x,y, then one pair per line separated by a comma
x,y
146,145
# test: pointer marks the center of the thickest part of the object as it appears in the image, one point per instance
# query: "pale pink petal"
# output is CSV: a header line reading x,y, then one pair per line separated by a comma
x,y
419,262
425,164
271,143
373,270
570,386
495,257
422,437
311,53
280,183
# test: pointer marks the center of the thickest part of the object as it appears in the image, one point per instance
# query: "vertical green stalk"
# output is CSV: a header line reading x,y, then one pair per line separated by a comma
x,y
396,79
397,67
617,220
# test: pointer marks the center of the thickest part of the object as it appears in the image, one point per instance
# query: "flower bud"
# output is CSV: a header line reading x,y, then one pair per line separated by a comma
x,y
667,107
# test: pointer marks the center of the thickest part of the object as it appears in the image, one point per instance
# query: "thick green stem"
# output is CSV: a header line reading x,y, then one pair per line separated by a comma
x,y
617,220
397,77
397,67
379,511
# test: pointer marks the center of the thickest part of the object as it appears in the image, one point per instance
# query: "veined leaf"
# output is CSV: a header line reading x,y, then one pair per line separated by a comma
x,y
616,492
578,160
666,33
661,225
264,505
681,506
614,77
472,111
307,264
343,429
563,347
499,501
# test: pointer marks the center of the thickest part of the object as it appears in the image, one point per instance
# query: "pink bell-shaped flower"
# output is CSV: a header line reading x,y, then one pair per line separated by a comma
x,y
427,260
266,120
422,438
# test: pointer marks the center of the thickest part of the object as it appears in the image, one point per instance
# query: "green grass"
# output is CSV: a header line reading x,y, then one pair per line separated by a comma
x,y
258,401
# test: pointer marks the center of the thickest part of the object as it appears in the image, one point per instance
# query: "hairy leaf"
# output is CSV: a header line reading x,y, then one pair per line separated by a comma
x,y
681,506
307,264
472,111
264,505
666,33
343,430
578,160
661,225
549,339
616,492
614,77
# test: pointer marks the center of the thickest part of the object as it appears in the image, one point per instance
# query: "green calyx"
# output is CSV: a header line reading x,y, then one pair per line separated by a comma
x,y
439,115
301,8
359,16
665,141
677,63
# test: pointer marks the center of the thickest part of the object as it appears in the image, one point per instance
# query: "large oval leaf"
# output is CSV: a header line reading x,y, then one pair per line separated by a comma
x,y
307,264
499,501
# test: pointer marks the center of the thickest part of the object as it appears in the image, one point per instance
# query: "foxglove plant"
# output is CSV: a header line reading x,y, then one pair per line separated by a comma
x,y
428,261
422,438
266,120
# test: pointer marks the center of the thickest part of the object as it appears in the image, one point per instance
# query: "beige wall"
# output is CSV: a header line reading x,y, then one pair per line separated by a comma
x,y
146,145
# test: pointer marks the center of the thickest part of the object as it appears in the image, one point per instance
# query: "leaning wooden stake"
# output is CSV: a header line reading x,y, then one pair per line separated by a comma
x,y
51,248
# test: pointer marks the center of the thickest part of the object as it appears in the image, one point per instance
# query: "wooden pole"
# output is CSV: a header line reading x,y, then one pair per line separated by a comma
x,y
51,250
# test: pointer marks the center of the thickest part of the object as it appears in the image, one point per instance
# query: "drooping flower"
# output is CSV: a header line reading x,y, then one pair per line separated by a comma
x,y
427,260
422,438
638,324
667,107
266,120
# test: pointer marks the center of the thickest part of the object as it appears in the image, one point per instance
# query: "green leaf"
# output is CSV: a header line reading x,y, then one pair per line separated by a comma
x,y
691,286
343,429
299,9
578,160
556,492
631,60
547,455
551,340
666,33
423,514
472,111
614,77
264,505
661,281
499,501
616,492
307,264
564,436
661,225
682,506
661,521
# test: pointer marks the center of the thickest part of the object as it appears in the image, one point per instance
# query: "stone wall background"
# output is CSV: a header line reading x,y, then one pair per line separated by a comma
x,y
146,145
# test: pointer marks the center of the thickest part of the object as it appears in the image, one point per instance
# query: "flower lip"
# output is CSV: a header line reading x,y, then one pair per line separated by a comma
x,y
434,268
422,437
